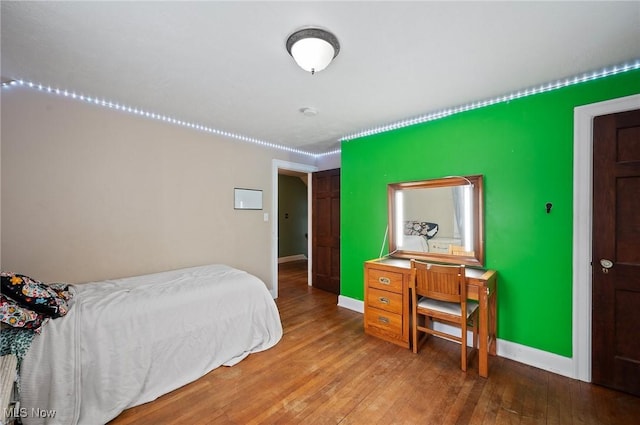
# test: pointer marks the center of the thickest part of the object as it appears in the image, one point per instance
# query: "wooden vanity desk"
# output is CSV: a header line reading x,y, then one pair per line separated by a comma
x,y
387,312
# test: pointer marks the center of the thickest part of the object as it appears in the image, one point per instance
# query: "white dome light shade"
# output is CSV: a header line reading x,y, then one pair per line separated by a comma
x,y
313,49
312,54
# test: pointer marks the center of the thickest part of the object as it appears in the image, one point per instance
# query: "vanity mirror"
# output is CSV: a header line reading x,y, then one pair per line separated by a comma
x,y
438,220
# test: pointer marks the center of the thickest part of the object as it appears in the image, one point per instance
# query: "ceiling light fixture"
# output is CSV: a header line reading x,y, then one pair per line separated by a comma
x,y
313,49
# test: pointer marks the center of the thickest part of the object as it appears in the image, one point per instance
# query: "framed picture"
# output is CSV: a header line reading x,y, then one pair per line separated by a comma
x,y
247,199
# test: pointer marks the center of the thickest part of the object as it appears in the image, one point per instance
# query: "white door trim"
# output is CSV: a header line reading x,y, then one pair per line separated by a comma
x,y
276,165
582,221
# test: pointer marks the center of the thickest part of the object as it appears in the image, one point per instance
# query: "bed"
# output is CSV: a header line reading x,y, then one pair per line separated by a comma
x,y
128,341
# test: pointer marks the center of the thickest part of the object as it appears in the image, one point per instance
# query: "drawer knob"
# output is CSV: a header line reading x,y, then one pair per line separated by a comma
x,y
383,319
384,300
384,280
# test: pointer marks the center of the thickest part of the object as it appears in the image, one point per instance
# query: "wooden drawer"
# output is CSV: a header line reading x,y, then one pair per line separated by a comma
x,y
384,300
385,280
389,324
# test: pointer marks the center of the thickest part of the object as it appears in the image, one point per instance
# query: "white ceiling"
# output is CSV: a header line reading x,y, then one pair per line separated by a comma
x,y
224,64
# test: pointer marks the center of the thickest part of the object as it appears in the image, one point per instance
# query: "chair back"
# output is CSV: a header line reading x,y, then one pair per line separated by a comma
x,y
439,282
460,250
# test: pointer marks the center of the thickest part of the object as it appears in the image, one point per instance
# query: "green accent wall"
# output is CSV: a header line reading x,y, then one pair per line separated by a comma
x,y
524,149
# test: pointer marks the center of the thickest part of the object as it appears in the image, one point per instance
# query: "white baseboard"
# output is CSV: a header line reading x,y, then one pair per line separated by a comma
x,y
520,353
537,358
351,304
290,258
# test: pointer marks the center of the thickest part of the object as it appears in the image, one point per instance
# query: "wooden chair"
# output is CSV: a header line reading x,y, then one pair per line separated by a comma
x,y
439,293
459,250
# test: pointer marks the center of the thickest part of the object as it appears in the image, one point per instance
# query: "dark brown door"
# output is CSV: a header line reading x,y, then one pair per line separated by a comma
x,y
326,230
616,251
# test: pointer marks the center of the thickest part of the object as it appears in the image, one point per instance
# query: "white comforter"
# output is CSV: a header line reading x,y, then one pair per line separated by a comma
x,y
126,342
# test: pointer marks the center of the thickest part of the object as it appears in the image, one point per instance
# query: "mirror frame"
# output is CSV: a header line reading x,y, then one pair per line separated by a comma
x,y
478,219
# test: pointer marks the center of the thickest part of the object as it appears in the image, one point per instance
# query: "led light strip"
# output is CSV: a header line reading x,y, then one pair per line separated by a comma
x,y
605,72
151,115
333,152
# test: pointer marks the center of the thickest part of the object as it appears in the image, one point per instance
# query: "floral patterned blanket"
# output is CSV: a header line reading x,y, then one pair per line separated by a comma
x,y
15,341
28,303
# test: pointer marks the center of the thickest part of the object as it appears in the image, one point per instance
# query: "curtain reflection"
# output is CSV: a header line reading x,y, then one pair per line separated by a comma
x,y
462,210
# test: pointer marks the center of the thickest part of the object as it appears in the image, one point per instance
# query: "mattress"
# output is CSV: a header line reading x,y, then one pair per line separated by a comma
x,y
128,341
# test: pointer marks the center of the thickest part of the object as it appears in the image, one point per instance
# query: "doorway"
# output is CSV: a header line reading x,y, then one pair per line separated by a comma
x,y
285,167
326,227
582,227
616,251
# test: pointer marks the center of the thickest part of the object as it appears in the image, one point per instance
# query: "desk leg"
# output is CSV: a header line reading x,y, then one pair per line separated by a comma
x,y
493,322
483,355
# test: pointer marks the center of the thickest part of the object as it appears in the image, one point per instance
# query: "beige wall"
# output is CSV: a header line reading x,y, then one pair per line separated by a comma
x,y
90,193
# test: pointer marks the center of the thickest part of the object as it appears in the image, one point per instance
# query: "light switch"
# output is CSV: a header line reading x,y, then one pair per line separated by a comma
x,y
266,216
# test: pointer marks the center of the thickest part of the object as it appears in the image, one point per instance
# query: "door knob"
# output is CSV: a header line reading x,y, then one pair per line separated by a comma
x,y
606,265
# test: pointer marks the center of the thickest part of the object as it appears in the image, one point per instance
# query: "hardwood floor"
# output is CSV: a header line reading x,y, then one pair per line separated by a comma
x,y
325,370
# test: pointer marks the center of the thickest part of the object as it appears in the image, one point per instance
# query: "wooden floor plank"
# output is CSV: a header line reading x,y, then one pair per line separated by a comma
x,y
325,370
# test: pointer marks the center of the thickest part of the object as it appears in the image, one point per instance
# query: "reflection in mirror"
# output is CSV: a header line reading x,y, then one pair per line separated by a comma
x,y
438,220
